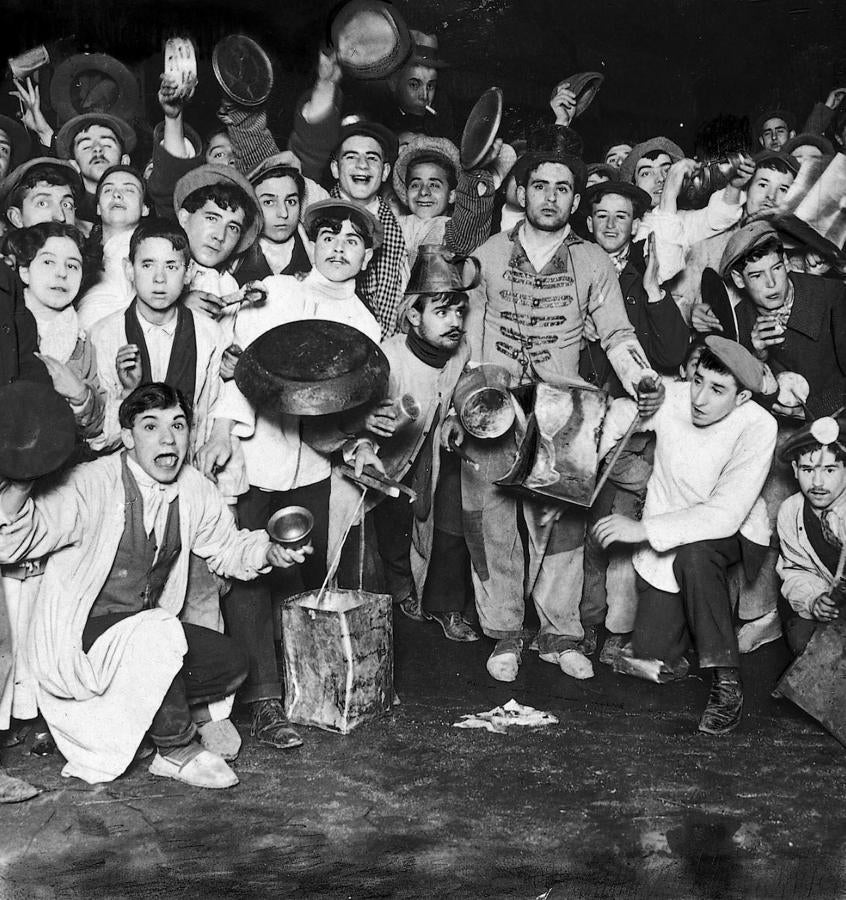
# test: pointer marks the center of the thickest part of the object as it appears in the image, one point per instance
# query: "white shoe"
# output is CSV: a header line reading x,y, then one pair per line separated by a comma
x,y
195,766
760,631
220,737
571,662
504,663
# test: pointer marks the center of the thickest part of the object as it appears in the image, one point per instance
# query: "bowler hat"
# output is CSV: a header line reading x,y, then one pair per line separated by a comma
x,y
37,430
421,146
68,132
552,144
345,209
94,82
209,174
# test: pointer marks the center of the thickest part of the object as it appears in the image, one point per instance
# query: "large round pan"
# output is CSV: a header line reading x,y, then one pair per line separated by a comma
x,y
243,70
481,128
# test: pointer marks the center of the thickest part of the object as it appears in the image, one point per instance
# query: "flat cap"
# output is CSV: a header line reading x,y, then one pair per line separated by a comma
x,y
739,361
661,144
211,173
765,156
823,431
345,209
383,136
17,175
743,242
419,146
68,132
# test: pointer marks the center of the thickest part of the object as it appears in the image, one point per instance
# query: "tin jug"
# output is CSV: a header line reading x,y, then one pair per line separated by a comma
x,y
438,270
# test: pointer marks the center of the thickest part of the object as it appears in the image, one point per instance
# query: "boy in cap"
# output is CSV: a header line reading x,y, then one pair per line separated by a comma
x,y
115,644
712,454
812,528
93,143
774,128
41,190
282,468
121,204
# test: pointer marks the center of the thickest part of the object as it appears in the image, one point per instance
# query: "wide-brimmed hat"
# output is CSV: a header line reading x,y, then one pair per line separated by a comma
x,y
94,82
660,143
553,144
37,430
19,138
345,209
211,173
124,132
370,38
806,139
14,178
419,147
383,136
585,85
424,51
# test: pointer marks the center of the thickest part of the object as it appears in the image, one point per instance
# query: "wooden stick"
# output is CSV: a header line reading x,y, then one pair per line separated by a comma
x,y
373,478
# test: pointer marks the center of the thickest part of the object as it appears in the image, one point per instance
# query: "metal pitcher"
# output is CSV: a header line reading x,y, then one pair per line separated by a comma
x,y
438,270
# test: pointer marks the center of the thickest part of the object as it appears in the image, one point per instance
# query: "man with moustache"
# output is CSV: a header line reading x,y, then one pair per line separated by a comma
x,y
541,288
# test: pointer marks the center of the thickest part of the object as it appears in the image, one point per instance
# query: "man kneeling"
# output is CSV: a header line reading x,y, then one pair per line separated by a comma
x,y
112,659
713,451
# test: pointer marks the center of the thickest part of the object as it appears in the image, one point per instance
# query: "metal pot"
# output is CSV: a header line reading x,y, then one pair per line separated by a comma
x,y
711,176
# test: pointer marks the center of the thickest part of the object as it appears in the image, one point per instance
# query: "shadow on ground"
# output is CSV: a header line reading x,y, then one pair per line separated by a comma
x,y
623,799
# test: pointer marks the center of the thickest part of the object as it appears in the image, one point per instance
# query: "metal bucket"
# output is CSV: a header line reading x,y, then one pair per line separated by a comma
x,y
483,401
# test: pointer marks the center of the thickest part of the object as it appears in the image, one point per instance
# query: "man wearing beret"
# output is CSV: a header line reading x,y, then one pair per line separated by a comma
x,y
713,451
542,288
812,528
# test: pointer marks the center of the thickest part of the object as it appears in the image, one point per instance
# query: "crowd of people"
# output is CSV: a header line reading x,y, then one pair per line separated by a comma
x,y
137,477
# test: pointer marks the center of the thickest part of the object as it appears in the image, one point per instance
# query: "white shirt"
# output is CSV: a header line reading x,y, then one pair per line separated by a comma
x,y
159,341
114,291
276,458
156,499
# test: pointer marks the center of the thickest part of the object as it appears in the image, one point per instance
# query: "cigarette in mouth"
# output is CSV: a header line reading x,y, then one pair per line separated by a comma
x,y
431,111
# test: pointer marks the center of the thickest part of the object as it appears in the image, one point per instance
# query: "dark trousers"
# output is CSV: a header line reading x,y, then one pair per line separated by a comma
x,y
666,621
213,668
248,608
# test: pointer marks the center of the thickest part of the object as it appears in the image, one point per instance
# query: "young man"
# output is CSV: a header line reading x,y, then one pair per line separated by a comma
x,y
14,145
282,469
812,528
774,128
614,214
447,204
541,286
280,189
93,143
121,204
41,190
106,642
615,154
713,451
422,544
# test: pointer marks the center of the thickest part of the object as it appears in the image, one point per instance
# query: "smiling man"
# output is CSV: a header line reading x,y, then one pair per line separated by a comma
x,y
712,454
541,287
121,650
282,469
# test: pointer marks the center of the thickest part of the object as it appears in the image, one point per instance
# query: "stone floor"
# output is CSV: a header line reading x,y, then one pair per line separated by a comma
x,y
622,799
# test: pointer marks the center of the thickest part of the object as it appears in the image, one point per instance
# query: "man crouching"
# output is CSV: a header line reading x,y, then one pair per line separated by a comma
x,y
713,451
112,659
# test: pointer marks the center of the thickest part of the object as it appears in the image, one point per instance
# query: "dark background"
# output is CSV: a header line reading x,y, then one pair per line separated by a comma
x,y
669,65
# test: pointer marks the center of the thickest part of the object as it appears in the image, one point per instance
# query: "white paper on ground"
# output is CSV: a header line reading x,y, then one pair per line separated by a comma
x,y
500,718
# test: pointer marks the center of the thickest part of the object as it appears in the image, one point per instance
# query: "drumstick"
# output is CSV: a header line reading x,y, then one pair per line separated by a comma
x,y
621,446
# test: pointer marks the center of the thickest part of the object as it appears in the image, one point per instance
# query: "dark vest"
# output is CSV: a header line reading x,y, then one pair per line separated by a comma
x,y
136,582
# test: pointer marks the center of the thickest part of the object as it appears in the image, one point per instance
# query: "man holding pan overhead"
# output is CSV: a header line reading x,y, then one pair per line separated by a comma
x,y
543,289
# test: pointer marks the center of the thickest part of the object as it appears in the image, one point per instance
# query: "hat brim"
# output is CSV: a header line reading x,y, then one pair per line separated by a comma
x,y
128,98
440,148
362,53
585,85
14,178
805,236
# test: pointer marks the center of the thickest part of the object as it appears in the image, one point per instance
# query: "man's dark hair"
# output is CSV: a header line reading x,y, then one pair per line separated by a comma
x,y
451,298
131,170
335,223
47,173
160,228
773,245
434,159
154,395
697,344
710,361
283,172
28,241
836,448
225,195
777,165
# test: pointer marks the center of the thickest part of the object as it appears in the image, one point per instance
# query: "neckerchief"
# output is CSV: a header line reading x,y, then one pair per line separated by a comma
x,y
426,353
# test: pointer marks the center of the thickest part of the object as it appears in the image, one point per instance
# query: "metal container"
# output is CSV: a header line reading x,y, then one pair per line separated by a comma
x,y
291,527
483,401
711,176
